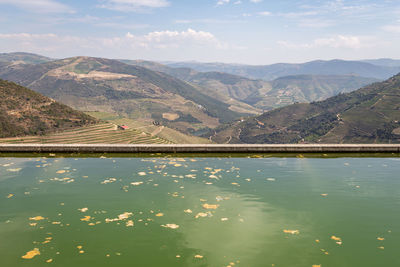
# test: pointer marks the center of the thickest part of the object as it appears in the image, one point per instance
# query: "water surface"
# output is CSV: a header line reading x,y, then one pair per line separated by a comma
x,y
200,211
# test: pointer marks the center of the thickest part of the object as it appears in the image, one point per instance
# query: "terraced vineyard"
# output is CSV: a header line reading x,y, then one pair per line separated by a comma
x,y
98,134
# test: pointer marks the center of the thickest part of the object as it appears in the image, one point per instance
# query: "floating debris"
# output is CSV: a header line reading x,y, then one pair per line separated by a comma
x,y
324,195
14,170
121,217
61,171
224,219
49,260
136,183
380,238
188,211
210,206
31,254
160,214
198,256
337,239
141,173
37,218
171,225
10,195
203,215
83,209
271,179
292,232
86,218
130,223
109,180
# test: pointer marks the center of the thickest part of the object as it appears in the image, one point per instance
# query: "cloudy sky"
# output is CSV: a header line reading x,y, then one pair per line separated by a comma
x,y
233,31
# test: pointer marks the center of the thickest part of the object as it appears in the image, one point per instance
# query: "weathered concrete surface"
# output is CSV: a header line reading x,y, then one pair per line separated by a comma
x,y
104,148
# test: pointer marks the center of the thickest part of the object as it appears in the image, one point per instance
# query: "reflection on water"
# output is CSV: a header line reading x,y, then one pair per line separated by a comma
x,y
200,211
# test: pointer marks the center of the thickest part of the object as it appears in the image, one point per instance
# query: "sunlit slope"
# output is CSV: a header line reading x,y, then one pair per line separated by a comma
x,y
96,84
148,127
104,133
368,115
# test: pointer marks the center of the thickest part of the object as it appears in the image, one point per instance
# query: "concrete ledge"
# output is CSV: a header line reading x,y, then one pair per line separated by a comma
x,y
105,148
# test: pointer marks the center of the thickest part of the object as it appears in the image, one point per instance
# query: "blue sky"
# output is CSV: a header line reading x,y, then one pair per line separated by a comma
x,y
233,31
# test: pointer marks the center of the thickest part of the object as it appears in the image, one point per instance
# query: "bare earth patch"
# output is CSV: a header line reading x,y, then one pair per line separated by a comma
x,y
170,116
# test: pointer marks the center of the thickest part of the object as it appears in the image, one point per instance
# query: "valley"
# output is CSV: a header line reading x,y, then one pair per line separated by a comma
x,y
170,103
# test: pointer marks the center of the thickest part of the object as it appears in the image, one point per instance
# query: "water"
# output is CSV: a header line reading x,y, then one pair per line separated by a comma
x,y
251,202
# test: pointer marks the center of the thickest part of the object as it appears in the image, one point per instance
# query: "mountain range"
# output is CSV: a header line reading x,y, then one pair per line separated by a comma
x,y
229,106
246,95
368,115
372,68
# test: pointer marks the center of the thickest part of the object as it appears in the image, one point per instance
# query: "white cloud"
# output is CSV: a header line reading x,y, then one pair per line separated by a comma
x,y
39,6
134,5
222,2
392,28
338,41
166,41
256,1
264,13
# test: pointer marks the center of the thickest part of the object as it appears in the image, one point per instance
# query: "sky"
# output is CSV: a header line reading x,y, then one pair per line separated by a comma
x,y
231,31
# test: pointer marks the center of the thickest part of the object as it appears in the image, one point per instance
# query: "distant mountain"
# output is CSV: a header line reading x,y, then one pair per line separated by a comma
x,y
319,67
25,112
260,94
368,115
386,62
96,84
24,58
308,88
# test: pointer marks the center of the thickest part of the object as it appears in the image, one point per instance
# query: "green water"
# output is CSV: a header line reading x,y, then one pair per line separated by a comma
x,y
257,199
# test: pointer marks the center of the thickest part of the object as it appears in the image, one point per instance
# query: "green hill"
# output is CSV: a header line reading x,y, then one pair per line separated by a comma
x,y
96,84
25,112
368,115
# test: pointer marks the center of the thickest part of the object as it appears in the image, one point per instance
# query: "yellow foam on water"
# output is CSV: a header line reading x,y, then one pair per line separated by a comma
x,y
292,232
31,254
210,206
86,218
37,218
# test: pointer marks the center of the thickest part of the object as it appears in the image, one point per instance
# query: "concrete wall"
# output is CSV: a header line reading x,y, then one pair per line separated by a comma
x,y
104,148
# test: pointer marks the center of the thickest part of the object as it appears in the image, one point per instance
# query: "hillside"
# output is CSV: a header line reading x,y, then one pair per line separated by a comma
x,y
252,96
227,88
368,115
25,112
102,133
308,88
318,67
96,84
23,58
